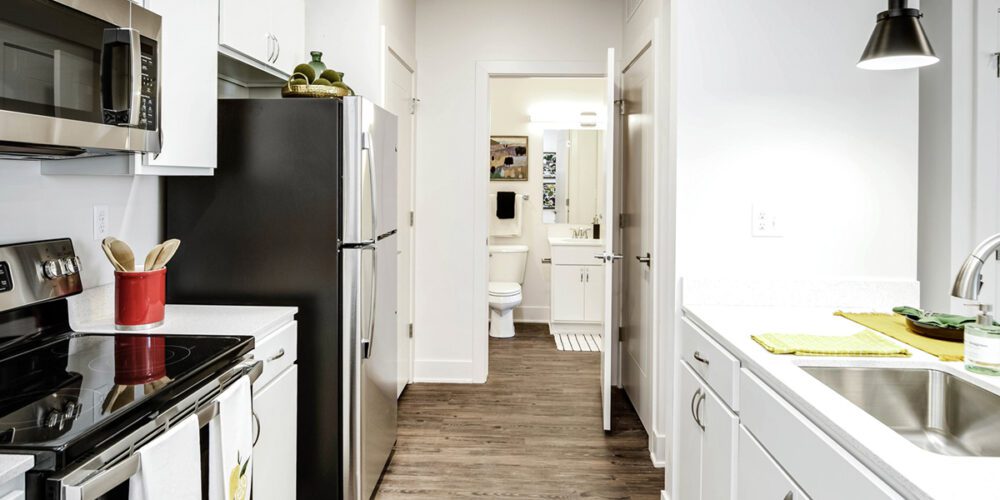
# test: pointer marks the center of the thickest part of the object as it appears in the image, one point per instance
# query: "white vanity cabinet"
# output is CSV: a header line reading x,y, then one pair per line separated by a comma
x,y
759,476
577,290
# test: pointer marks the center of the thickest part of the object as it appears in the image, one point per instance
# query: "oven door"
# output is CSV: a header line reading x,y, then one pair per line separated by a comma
x,y
106,475
77,78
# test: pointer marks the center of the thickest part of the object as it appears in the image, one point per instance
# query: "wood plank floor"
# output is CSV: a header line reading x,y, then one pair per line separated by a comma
x,y
532,431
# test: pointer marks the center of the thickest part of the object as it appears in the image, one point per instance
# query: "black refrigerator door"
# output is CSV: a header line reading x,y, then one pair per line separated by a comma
x,y
264,231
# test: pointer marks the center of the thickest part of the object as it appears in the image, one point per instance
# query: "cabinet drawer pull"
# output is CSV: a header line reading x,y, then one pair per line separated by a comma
x,y
694,415
256,421
698,358
279,355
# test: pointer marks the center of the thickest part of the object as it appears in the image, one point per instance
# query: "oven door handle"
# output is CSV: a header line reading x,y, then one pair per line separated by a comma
x,y
108,479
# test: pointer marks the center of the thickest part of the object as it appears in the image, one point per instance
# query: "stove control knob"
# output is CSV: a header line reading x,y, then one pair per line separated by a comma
x,y
72,410
55,420
53,269
70,265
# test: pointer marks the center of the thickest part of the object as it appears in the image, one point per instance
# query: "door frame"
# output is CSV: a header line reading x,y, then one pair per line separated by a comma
x,y
480,180
388,53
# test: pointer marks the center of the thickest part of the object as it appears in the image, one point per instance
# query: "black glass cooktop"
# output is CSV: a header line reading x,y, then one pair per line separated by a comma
x,y
54,393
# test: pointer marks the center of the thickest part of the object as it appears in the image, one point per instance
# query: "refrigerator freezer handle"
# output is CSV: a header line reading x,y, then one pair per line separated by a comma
x,y
369,154
367,345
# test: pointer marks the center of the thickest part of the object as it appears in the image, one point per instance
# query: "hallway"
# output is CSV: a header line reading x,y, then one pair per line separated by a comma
x,y
532,431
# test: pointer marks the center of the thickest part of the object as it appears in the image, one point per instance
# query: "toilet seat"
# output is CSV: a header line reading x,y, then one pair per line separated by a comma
x,y
504,289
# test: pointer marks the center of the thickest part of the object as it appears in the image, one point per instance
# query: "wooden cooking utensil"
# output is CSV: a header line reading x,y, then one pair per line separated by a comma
x,y
123,254
106,246
151,257
169,249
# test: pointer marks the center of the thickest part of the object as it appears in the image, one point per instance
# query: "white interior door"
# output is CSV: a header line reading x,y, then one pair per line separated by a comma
x,y
399,101
610,317
638,269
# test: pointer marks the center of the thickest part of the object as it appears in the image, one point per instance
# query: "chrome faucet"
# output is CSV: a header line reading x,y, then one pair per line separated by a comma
x,y
581,233
969,281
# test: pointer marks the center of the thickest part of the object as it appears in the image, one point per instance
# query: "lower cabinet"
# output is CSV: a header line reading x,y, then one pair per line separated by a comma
x,y
706,463
274,454
577,293
759,477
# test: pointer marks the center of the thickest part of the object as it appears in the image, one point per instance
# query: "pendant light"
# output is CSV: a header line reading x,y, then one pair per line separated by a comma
x,y
899,40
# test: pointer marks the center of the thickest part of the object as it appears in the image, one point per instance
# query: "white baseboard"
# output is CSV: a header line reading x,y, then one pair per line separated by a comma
x,y
443,371
658,450
575,328
531,314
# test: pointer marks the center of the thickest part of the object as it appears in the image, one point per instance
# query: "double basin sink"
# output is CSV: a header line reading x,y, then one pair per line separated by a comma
x,y
933,409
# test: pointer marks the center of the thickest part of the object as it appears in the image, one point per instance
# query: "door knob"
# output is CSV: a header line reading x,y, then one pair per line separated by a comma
x,y
645,260
608,257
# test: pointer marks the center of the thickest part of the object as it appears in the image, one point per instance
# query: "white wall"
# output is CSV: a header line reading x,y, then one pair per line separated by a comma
x,y
399,19
511,99
452,36
38,207
349,35
947,134
772,109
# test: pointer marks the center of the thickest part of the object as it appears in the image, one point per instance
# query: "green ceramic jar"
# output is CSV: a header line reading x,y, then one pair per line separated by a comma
x,y
317,62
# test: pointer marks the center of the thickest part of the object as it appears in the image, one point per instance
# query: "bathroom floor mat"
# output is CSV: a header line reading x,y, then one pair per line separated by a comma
x,y
582,342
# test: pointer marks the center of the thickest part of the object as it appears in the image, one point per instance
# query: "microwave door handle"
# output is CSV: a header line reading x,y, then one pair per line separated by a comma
x,y
135,78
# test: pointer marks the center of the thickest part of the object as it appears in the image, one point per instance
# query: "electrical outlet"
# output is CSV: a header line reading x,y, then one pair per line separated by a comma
x,y
101,222
766,222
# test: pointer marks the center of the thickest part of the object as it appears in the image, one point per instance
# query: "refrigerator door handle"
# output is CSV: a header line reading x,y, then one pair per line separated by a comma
x,y
367,345
369,155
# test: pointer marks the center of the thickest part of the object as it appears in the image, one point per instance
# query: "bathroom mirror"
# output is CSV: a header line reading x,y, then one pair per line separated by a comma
x,y
572,175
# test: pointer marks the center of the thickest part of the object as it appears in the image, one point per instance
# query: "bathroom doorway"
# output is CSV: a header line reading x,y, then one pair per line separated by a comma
x,y
548,190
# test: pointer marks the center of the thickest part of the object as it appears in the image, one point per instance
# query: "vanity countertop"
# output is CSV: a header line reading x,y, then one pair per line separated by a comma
x,y
912,471
574,242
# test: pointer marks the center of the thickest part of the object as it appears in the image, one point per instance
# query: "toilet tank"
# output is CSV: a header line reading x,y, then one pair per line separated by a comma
x,y
507,263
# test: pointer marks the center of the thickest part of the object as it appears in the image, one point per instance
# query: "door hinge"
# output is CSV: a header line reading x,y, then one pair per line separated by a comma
x,y
621,221
567,202
621,331
413,105
621,106
412,218
411,330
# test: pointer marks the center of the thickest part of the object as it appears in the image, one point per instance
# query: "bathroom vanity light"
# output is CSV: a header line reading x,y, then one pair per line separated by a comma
x,y
899,40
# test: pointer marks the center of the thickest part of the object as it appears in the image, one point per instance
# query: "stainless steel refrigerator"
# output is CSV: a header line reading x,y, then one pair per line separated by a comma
x,y
301,212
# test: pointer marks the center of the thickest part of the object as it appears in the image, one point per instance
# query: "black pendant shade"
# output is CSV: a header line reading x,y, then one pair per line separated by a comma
x,y
899,41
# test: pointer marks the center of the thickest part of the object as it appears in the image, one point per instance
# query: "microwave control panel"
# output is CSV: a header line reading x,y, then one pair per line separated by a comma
x,y
148,102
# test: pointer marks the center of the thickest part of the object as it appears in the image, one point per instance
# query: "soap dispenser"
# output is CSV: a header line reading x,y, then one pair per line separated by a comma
x,y
982,343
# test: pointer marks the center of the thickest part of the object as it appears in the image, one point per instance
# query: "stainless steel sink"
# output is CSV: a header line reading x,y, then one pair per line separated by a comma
x,y
934,410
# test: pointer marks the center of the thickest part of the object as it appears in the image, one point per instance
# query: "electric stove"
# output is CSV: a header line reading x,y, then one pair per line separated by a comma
x,y
77,400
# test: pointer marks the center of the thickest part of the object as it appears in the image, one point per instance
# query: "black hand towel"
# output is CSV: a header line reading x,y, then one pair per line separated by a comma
x,y
505,204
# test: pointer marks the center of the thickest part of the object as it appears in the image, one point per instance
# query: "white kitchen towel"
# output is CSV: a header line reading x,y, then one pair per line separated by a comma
x,y
170,465
230,450
506,227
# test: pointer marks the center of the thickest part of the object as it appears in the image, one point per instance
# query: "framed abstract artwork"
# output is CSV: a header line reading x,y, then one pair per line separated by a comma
x,y
508,158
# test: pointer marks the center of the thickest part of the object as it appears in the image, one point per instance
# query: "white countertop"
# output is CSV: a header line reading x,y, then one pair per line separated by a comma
x,y
574,242
93,312
12,466
912,471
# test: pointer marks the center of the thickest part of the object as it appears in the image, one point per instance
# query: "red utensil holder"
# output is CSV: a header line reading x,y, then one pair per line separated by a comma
x,y
140,298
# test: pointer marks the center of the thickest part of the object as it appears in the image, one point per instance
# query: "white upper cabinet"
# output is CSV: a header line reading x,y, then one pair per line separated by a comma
x,y
189,91
267,34
288,28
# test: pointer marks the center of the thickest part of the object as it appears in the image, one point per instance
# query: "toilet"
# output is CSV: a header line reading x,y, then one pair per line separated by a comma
x,y
507,264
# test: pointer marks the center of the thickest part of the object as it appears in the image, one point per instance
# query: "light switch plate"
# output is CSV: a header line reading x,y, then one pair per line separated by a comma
x,y
100,222
766,221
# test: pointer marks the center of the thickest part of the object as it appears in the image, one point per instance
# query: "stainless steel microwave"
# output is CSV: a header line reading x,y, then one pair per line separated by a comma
x,y
78,78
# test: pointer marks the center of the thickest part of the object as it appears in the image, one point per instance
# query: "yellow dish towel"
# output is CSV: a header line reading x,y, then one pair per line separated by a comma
x,y
894,326
866,343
